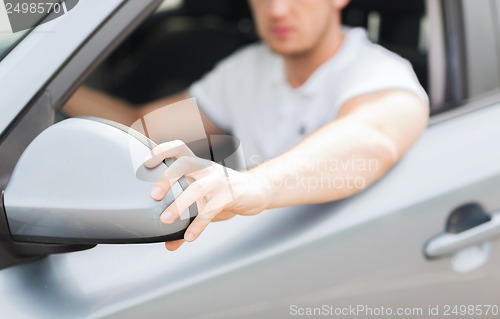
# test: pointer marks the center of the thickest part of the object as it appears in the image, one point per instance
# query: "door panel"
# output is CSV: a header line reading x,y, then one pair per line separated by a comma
x,y
365,250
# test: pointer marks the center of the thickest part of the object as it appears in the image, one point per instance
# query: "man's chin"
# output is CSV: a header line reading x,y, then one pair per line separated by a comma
x,y
287,50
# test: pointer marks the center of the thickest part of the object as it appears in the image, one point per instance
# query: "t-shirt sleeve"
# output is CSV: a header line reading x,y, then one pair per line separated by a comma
x,y
377,71
211,93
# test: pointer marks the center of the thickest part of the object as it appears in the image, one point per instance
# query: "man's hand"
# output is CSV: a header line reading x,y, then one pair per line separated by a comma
x,y
219,192
370,134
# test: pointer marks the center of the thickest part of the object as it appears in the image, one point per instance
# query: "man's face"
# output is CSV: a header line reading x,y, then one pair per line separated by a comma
x,y
295,27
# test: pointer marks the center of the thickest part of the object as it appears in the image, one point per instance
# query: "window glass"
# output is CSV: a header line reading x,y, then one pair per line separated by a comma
x,y
8,40
481,39
17,18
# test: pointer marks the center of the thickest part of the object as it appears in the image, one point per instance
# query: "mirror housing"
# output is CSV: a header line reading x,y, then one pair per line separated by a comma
x,y
82,181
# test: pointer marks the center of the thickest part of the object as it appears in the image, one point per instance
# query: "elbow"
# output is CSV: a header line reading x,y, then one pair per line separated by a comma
x,y
389,152
406,121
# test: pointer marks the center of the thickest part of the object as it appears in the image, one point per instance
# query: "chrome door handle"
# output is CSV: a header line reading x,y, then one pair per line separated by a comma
x,y
446,244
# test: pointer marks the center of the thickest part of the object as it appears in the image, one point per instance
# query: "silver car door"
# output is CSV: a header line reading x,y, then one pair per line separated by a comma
x,y
369,253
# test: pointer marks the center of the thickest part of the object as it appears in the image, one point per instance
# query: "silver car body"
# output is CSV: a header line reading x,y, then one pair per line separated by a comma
x,y
366,250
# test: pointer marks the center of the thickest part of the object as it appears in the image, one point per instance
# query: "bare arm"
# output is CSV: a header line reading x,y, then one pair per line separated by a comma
x,y
89,102
210,128
371,133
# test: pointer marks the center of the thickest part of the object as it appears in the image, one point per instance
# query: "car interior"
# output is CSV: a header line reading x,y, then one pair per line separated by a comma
x,y
175,47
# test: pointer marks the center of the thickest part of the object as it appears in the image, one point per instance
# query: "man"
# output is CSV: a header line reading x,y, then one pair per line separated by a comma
x,y
314,94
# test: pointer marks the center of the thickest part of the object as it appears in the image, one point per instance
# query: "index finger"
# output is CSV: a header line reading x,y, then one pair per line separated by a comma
x,y
172,149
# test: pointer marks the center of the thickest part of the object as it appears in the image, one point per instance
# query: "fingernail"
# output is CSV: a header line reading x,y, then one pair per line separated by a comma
x,y
156,192
167,217
189,237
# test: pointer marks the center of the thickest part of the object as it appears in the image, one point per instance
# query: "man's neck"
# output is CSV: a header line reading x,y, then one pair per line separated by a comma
x,y
299,68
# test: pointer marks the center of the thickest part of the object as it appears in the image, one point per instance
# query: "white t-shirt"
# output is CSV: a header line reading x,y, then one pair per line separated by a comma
x,y
248,95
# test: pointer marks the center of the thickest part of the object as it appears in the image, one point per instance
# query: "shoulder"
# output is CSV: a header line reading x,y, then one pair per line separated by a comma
x,y
369,68
371,57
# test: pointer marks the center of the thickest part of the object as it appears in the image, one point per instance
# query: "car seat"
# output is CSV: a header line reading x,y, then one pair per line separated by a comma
x,y
397,25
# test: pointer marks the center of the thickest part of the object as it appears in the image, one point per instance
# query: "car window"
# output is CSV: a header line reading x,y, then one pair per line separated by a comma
x,y
17,19
481,47
400,26
163,56
465,63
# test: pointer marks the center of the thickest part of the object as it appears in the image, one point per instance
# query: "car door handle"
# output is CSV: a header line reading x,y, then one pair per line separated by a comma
x,y
446,243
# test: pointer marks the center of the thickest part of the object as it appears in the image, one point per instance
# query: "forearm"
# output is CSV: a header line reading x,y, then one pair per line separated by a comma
x,y
89,102
340,160
346,155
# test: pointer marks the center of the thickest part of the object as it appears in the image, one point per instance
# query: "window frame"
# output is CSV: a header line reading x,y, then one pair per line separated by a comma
x,y
106,34
450,64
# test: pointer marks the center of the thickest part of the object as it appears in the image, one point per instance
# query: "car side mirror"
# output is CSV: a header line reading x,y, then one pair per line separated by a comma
x,y
82,181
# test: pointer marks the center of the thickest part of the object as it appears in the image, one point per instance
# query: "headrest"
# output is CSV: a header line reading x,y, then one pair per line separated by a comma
x,y
388,7
227,9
